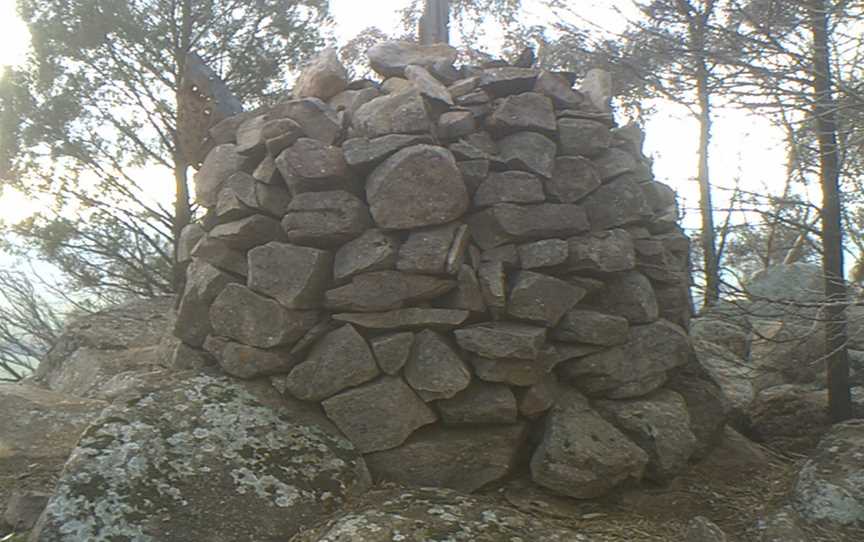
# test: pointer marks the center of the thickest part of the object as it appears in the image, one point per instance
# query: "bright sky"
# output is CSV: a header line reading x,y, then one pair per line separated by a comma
x,y
744,145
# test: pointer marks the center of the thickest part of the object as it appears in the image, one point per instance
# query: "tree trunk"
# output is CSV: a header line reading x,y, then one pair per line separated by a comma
x,y
182,203
837,361
435,22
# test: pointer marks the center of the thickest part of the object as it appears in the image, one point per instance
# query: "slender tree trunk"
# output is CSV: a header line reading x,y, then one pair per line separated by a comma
x,y
182,203
435,22
839,400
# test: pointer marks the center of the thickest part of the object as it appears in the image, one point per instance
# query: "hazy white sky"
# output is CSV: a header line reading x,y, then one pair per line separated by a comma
x,y
744,146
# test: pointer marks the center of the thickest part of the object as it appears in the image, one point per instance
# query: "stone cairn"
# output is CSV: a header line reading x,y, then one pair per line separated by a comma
x,y
470,270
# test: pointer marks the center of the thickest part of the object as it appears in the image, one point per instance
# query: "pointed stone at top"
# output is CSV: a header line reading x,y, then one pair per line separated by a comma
x,y
324,77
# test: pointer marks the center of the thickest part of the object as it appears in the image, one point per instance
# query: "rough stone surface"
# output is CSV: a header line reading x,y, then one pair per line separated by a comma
x,y
311,166
434,369
702,529
429,87
325,219
602,252
830,486
506,81
558,89
203,283
418,186
545,253
413,318
479,403
573,178
585,326
541,298
323,78
364,153
385,290
509,187
418,514
392,351
617,203
222,162
400,113
373,251
660,425
148,471
249,362
529,111
218,254
338,361
631,295
426,250
503,340
582,455
459,458
507,222
379,415
634,369
248,232
317,119
240,314
302,287
580,137
529,151
390,58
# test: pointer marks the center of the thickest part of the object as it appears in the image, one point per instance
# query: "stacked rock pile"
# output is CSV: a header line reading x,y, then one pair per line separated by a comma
x,y
465,267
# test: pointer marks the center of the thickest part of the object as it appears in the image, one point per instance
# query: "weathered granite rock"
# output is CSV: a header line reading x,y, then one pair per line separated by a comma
x,y
248,232
660,425
509,187
455,124
459,458
203,284
507,222
317,119
602,252
312,166
373,251
507,81
149,471
545,253
784,525
582,455
513,371
392,351
528,151
218,254
379,415
732,373
302,287
617,203
479,403
401,113
829,489
245,361
348,102
414,514
429,87
385,290
706,407
634,369
630,295
541,298
340,360
597,87
586,326
39,430
240,314
434,369
221,162
539,398
390,58
413,318
418,186
503,340
468,294
426,250
189,237
279,134
325,219
529,111
580,137
364,153
24,509
558,89
323,78
614,162
573,178
493,286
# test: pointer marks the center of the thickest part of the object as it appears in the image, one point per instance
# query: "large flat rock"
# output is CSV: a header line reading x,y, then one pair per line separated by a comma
x,y
148,470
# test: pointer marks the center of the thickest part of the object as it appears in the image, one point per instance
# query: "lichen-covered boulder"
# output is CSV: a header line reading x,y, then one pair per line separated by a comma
x,y
434,515
148,470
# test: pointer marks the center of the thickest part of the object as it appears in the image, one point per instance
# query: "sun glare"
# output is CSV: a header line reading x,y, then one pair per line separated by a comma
x,y
16,38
